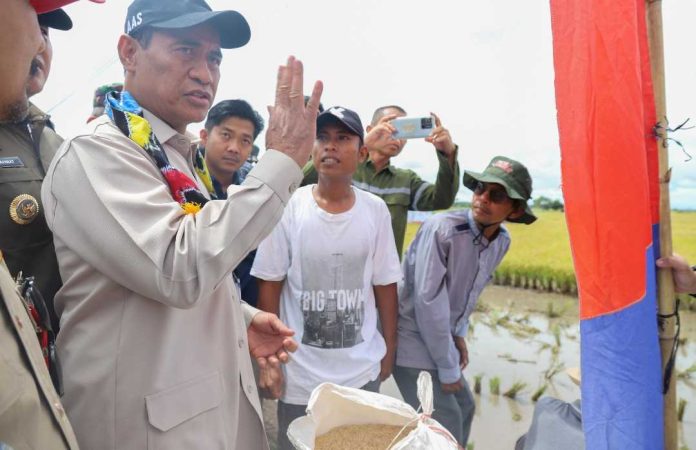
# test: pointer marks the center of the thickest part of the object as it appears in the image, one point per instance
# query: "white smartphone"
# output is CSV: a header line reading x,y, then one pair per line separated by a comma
x,y
413,127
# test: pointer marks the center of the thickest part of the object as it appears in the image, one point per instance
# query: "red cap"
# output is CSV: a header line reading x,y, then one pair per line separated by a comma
x,y
44,6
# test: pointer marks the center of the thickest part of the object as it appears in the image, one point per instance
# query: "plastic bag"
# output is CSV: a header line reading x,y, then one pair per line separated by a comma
x,y
331,406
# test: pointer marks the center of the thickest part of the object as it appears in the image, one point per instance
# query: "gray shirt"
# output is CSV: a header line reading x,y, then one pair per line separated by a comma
x,y
445,269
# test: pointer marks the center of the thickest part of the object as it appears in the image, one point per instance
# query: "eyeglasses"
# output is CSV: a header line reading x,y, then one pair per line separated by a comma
x,y
494,195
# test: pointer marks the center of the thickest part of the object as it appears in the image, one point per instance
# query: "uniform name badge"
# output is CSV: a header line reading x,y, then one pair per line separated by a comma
x,y
23,209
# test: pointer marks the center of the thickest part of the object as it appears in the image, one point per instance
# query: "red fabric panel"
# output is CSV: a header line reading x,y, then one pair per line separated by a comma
x,y
605,117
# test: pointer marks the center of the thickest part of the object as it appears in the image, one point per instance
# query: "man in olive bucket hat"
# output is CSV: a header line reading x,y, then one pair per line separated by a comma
x,y
446,267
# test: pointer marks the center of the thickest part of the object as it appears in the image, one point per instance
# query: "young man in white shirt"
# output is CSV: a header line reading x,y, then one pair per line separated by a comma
x,y
330,269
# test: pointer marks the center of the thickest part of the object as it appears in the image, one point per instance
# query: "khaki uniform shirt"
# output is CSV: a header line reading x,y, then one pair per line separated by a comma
x,y
26,150
403,190
153,338
31,415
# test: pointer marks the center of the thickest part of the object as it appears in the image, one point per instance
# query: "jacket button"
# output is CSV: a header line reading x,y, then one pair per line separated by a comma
x,y
59,409
241,343
292,188
19,322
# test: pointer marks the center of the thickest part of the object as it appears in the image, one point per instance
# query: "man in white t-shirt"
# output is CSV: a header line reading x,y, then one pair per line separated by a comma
x,y
330,269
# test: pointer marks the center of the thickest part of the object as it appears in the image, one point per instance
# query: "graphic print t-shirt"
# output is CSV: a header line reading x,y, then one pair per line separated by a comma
x,y
330,263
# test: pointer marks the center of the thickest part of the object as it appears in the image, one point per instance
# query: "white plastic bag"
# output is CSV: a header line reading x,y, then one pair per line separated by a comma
x,y
331,406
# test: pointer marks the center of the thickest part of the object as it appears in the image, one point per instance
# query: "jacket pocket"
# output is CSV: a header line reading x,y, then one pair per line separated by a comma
x,y
187,415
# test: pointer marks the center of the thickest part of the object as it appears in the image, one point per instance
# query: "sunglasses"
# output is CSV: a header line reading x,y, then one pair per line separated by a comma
x,y
494,195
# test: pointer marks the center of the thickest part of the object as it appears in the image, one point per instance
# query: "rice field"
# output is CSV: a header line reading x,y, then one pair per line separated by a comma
x,y
540,257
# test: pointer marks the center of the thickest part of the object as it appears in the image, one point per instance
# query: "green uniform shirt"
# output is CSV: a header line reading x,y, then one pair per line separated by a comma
x,y
403,190
26,151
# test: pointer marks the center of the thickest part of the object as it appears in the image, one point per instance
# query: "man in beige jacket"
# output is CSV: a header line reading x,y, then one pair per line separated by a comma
x,y
154,340
31,414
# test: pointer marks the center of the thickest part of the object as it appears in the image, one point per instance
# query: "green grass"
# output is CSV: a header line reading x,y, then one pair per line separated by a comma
x,y
540,256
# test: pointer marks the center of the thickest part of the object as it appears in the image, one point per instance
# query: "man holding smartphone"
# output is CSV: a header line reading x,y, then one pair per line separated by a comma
x,y
402,189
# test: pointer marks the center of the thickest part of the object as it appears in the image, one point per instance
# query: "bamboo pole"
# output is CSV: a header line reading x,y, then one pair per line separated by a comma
x,y
665,283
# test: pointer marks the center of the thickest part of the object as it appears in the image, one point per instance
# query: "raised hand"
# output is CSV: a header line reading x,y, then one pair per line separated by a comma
x,y
440,138
292,125
381,134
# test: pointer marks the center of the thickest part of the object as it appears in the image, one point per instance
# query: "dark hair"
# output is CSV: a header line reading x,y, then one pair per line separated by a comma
x,y
379,112
234,108
143,36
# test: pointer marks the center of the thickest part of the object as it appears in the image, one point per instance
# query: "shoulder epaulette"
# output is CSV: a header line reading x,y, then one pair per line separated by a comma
x,y
462,226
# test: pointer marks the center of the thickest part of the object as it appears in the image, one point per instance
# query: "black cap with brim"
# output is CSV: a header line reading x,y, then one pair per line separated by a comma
x,y
181,14
516,189
232,26
345,117
57,19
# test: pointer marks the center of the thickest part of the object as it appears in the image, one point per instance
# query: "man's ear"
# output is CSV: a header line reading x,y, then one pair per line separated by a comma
x,y
203,134
362,153
368,128
517,212
127,52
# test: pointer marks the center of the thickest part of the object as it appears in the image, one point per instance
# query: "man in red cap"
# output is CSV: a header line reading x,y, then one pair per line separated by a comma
x,y
31,414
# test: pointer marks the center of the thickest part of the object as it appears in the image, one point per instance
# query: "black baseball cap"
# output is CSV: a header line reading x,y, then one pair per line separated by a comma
x,y
179,14
345,116
57,19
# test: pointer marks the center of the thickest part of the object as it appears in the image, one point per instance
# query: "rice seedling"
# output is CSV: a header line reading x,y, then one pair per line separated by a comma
x,y
470,446
477,383
552,312
687,373
516,417
555,368
494,385
556,332
514,389
539,392
680,409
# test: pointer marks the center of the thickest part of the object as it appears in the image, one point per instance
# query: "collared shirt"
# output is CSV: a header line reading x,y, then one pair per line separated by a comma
x,y
403,190
26,150
153,341
445,269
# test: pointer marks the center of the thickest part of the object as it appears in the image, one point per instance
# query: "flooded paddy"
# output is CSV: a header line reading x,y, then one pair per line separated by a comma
x,y
528,338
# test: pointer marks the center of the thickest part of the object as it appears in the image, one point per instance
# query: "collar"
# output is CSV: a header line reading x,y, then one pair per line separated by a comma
x,y
391,169
477,232
34,115
168,135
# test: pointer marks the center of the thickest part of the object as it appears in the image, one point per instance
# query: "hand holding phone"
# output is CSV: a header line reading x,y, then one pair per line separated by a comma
x,y
412,127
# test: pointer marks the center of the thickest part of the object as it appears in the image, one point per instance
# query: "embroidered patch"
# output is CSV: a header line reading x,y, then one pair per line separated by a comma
x,y
10,162
505,166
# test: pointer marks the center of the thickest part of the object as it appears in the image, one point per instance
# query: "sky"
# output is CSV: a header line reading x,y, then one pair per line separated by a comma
x,y
486,68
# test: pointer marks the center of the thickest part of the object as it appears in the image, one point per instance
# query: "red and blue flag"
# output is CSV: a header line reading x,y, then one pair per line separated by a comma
x,y
606,117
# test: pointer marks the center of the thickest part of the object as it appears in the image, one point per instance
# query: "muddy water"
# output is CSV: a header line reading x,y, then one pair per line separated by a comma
x,y
511,350
503,343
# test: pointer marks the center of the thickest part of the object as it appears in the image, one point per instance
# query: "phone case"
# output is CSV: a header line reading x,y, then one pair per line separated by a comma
x,y
413,127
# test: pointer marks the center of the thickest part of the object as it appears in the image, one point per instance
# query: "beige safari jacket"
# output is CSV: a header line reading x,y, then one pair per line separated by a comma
x,y
153,338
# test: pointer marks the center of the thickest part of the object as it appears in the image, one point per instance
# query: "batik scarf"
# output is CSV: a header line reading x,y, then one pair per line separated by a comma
x,y
203,172
127,115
